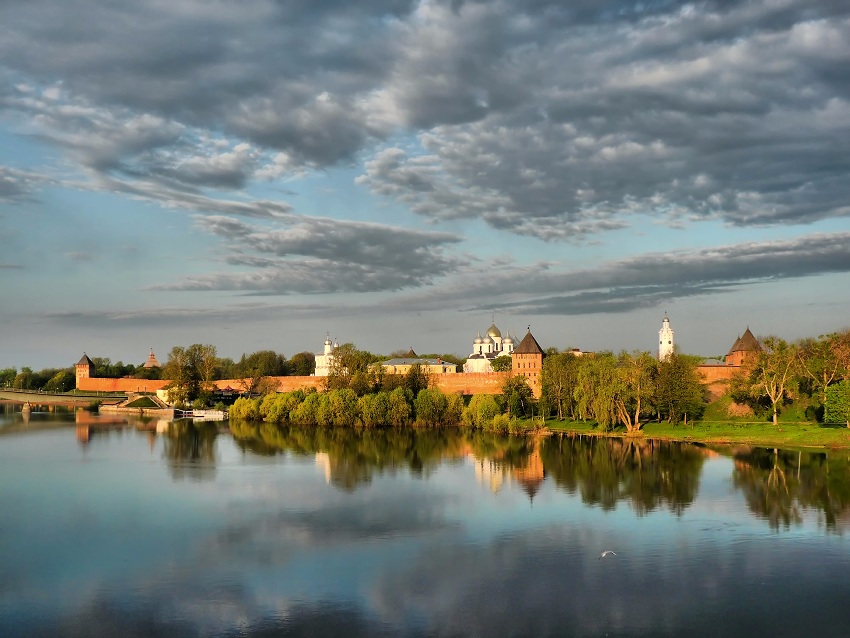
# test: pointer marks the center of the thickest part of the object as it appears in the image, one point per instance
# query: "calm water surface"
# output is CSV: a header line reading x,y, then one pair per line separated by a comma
x,y
116,530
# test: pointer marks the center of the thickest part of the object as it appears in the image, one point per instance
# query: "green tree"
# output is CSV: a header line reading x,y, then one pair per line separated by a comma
x,y
773,374
302,364
633,387
399,409
342,405
517,395
558,381
62,381
837,404
183,371
503,363
7,377
820,362
679,392
416,379
430,406
26,379
352,368
253,371
480,411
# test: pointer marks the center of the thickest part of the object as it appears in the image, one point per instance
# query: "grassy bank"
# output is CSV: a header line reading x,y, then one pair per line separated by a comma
x,y
787,434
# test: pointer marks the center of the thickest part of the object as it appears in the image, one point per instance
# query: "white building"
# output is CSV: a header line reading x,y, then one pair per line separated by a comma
x,y
665,339
487,348
324,359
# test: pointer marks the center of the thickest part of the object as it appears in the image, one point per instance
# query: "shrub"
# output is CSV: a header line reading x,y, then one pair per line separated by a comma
x,y
480,411
245,408
837,406
398,410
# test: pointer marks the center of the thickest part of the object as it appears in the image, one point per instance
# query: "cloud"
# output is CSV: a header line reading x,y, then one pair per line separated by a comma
x,y
645,280
321,255
731,111
18,185
553,121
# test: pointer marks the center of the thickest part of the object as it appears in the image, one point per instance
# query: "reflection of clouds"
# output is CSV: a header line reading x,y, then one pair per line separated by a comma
x,y
274,537
550,582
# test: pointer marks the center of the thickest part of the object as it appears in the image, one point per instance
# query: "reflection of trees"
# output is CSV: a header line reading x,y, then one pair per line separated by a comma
x,y
649,474
189,450
779,484
353,457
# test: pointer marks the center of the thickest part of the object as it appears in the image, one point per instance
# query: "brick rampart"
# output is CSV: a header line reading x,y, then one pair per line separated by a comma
x,y
717,378
120,385
471,382
465,383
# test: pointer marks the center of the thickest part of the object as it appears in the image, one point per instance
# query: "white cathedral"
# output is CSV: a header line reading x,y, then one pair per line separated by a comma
x,y
665,339
487,348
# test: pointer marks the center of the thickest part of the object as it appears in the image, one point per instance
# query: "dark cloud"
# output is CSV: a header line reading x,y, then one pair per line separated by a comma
x,y
320,255
646,280
17,185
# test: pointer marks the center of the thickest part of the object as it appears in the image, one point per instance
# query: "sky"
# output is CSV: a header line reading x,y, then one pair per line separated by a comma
x,y
258,175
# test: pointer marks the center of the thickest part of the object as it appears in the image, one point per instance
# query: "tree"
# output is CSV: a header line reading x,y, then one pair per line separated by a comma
x,y
205,357
416,380
62,381
773,374
837,404
517,395
503,363
596,388
430,406
26,379
252,370
820,362
480,411
558,380
679,392
633,387
352,368
183,373
398,411
302,364
7,376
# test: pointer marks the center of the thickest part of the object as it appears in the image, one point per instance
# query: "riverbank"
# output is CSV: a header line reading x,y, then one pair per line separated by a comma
x,y
786,435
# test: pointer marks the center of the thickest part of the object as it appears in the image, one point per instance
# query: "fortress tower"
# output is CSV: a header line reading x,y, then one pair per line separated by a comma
x,y
84,368
665,339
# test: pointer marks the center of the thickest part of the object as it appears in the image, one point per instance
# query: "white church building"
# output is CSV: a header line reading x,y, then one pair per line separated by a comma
x,y
324,359
487,348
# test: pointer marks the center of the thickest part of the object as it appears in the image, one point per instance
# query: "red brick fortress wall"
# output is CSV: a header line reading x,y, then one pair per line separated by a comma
x,y
471,383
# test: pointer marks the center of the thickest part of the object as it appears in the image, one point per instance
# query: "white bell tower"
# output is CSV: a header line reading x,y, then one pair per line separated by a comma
x,y
665,339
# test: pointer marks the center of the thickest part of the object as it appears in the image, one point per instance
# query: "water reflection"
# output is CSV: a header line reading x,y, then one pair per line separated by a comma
x,y
779,485
412,533
648,474
189,450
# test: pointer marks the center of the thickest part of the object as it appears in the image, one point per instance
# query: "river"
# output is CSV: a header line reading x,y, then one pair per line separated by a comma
x,y
158,529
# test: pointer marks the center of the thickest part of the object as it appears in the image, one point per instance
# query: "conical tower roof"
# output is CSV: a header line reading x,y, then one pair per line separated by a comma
x,y
152,361
85,361
746,343
528,345
411,354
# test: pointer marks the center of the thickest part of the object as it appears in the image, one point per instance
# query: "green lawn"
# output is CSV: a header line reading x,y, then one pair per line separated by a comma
x,y
753,433
143,402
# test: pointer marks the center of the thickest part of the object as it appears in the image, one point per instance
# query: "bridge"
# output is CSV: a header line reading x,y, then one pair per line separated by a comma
x,y
38,397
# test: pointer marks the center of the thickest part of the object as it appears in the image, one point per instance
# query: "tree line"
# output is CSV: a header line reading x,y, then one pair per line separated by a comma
x,y
626,389
814,372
